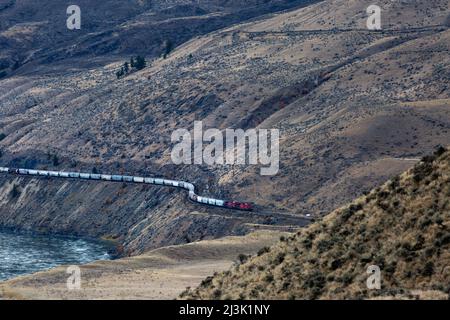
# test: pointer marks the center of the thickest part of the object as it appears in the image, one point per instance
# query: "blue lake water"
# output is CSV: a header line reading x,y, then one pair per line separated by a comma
x,y
23,253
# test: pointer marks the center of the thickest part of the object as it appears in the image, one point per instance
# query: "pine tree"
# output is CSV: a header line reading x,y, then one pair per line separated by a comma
x,y
168,48
140,63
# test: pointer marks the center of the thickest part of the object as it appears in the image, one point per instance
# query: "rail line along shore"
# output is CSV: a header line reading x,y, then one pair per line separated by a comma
x,y
245,206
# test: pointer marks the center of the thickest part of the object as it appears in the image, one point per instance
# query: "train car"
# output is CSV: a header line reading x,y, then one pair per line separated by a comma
x,y
246,206
220,203
171,183
138,180
127,179
239,205
74,175
117,178
149,180
64,175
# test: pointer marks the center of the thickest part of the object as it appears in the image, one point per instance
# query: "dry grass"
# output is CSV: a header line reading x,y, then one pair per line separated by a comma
x,y
402,226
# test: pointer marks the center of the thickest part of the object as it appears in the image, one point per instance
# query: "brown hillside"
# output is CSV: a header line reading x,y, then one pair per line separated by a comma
x,y
402,226
382,102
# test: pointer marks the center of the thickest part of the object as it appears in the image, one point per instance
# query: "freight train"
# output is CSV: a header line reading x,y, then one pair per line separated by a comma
x,y
246,206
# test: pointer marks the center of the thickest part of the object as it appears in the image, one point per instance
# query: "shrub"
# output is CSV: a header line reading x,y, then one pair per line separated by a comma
x,y
269,277
336,264
140,63
217,294
324,245
280,257
263,251
206,282
126,67
168,46
15,192
428,270
119,73
440,151
307,243
55,160
316,282
422,170
347,279
242,258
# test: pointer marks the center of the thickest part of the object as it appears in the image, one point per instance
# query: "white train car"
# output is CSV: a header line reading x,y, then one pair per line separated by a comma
x,y
132,179
74,175
127,179
149,180
64,175
138,180
106,177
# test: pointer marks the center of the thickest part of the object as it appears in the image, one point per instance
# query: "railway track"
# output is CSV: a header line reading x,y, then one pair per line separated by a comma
x,y
236,205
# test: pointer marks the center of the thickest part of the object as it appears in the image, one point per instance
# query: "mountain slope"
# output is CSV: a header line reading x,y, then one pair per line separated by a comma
x,y
354,107
403,227
34,34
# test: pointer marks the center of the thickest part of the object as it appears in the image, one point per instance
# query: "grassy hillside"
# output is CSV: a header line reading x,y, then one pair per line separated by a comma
x,y
403,227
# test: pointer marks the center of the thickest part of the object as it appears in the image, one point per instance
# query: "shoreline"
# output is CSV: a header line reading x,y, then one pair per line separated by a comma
x,y
162,273
113,245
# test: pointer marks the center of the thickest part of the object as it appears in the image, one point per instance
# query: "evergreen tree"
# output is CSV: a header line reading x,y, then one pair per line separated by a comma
x,y
168,48
140,63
